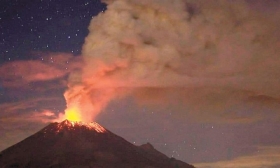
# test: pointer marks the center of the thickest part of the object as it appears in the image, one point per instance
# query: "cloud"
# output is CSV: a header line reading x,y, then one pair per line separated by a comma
x,y
41,109
21,82
48,67
266,157
29,115
44,116
209,56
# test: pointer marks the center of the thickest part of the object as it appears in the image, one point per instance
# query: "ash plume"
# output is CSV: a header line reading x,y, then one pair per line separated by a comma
x,y
211,56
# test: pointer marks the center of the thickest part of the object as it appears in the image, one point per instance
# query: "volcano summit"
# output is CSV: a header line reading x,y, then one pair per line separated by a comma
x,y
78,144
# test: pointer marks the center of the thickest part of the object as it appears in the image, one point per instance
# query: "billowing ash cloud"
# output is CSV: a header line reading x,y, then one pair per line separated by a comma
x,y
211,56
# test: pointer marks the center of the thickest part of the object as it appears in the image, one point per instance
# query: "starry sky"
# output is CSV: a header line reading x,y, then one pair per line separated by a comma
x,y
205,123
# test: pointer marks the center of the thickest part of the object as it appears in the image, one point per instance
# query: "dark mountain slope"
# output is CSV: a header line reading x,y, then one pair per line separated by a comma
x,y
75,144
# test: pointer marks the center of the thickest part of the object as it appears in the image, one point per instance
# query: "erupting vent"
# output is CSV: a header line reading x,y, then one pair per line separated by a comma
x,y
72,125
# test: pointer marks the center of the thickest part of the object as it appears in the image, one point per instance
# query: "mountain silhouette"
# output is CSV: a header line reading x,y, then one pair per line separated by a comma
x,y
71,144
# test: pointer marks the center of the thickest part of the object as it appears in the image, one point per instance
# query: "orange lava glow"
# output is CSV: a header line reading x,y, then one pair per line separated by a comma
x,y
73,114
73,125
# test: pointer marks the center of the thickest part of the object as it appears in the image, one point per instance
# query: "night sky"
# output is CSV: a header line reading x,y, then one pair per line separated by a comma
x,y
199,121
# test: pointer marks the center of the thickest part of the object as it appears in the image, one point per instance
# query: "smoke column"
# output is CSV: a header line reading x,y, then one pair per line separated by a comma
x,y
212,55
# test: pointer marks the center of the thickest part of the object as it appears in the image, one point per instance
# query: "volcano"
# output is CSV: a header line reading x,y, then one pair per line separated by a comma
x,y
83,145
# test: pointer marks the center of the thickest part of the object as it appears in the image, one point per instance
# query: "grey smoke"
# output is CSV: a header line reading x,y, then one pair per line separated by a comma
x,y
212,56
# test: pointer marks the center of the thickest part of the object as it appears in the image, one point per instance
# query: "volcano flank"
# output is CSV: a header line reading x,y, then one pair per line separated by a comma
x,y
78,144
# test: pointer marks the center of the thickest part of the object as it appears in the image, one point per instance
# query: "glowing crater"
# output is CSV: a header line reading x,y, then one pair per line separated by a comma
x,y
72,125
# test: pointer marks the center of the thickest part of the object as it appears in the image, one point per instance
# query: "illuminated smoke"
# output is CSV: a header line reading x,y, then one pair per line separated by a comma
x,y
212,55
